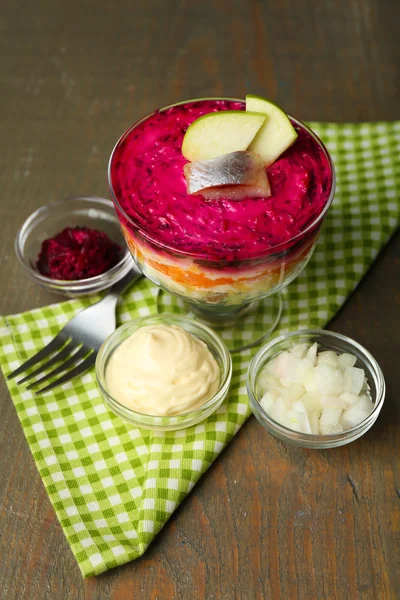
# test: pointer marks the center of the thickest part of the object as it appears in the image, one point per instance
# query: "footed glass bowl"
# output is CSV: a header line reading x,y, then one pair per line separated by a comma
x,y
217,290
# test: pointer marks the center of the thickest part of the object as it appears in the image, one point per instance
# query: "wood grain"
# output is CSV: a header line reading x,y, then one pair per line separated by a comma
x,y
267,520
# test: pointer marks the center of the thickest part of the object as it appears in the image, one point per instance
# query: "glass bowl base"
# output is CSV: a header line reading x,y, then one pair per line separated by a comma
x,y
240,328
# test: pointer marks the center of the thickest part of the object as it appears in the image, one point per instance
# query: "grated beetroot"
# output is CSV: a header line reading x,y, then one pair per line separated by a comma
x,y
77,253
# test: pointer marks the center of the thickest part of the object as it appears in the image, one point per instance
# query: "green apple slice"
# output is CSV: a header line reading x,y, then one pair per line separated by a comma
x,y
277,132
219,133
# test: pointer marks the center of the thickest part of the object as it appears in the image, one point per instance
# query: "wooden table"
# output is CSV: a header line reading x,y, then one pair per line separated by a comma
x,y
267,520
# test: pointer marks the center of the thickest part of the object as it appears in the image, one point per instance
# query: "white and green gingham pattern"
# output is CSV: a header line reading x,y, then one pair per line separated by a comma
x,y
114,486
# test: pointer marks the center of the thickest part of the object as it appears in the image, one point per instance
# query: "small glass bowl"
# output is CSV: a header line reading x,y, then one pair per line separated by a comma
x,y
47,221
168,423
327,340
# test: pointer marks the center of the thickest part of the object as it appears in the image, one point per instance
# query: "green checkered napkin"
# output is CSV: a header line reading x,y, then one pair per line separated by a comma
x,y
113,486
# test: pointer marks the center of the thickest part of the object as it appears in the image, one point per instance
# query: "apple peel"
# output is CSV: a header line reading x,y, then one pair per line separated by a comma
x,y
277,133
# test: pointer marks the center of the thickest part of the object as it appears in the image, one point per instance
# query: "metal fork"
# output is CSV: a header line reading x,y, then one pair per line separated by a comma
x,y
78,342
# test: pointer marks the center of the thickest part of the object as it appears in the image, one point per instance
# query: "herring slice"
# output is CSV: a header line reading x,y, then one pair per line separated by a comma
x,y
238,192
277,132
218,133
236,176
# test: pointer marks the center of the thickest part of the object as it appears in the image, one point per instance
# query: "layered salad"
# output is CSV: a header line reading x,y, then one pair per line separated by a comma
x,y
220,200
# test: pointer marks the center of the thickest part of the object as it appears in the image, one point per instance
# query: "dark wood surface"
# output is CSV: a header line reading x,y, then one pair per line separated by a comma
x,y
267,520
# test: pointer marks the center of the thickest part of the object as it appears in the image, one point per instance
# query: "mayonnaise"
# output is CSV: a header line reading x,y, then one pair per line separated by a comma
x,y
162,370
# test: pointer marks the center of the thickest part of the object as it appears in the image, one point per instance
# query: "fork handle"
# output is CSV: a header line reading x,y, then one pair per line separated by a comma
x,y
116,290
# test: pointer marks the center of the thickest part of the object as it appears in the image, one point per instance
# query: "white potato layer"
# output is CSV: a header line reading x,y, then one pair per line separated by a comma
x,y
315,392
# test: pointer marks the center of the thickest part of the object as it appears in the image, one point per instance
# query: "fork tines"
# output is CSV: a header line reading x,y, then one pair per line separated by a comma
x,y
75,359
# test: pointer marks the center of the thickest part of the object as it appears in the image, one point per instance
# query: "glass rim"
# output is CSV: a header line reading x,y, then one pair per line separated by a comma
x,y
271,249
223,353
39,215
286,432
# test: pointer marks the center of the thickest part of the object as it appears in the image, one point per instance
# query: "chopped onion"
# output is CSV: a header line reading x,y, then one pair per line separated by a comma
x,y
353,380
349,398
267,401
314,422
298,418
346,360
312,354
300,350
326,379
315,392
328,358
279,410
330,417
357,412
